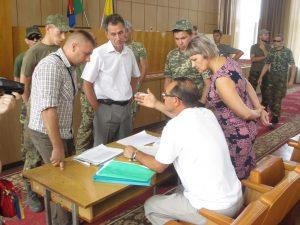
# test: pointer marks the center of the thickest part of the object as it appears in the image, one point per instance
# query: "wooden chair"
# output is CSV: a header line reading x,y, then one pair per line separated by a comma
x,y
295,156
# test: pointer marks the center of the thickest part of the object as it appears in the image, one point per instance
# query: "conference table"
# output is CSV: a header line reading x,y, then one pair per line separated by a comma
x,y
74,189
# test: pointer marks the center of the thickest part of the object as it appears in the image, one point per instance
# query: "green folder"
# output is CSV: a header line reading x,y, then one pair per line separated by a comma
x,y
124,173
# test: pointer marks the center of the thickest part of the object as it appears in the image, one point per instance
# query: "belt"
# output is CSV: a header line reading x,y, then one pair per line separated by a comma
x,y
112,102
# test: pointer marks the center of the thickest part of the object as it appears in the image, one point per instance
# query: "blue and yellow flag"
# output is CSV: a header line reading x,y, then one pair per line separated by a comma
x,y
108,9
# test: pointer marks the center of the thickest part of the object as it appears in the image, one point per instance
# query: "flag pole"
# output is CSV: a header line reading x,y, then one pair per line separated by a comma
x,y
87,22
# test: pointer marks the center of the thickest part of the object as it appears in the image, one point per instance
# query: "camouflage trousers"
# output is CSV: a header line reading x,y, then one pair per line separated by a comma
x,y
278,87
30,155
134,105
84,139
265,90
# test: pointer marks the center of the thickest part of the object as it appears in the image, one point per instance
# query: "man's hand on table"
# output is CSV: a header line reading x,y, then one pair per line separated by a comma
x,y
57,157
128,151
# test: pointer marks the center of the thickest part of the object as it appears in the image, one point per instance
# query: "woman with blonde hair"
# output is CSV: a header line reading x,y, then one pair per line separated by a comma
x,y
232,99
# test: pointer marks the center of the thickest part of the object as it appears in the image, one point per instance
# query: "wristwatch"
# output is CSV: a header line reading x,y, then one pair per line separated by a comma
x,y
133,156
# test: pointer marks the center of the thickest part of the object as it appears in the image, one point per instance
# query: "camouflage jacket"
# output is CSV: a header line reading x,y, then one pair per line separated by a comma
x,y
178,65
280,60
139,51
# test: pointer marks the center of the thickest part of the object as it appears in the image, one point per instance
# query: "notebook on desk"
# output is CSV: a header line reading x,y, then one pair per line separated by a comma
x,y
98,155
124,173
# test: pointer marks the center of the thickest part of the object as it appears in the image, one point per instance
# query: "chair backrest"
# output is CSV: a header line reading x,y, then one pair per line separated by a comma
x,y
269,171
282,198
253,214
295,155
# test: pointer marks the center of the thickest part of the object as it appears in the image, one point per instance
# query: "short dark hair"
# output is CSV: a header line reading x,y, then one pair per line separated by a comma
x,y
195,28
87,35
188,31
114,19
217,31
187,91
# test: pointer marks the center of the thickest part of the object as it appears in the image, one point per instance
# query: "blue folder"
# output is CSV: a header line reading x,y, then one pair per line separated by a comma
x,y
124,173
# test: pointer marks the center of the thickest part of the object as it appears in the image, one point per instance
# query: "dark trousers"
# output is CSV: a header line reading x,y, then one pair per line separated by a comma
x,y
265,89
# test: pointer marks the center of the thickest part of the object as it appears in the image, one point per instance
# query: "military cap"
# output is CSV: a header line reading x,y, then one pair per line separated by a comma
x,y
59,21
183,25
33,30
263,31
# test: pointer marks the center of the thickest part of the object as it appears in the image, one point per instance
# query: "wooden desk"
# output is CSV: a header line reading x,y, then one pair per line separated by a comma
x,y
74,189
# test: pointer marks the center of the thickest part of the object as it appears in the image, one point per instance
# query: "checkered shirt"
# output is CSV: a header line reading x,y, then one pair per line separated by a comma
x,y
52,88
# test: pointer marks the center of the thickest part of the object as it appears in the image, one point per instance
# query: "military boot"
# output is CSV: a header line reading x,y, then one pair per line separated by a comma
x,y
33,201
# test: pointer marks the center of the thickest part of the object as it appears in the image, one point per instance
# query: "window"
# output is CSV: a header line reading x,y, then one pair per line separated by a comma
x,y
246,25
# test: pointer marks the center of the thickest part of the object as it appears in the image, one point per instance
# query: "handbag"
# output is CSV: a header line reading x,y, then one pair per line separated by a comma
x,y
10,200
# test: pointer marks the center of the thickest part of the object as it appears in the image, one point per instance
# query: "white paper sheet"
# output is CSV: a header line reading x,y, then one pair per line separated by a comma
x,y
139,139
150,150
98,155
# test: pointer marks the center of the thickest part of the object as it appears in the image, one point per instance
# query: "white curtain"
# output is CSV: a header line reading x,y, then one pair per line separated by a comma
x,y
293,40
246,25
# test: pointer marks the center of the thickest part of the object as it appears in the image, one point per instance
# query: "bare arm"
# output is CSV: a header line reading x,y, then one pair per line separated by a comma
x,y
90,94
17,79
207,83
50,120
238,54
263,73
26,81
229,95
264,117
293,75
145,159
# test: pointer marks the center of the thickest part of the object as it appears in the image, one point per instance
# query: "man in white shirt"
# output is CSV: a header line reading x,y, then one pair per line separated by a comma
x,y
194,142
107,79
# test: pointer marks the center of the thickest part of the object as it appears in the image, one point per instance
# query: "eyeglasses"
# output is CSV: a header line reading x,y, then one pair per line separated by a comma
x,y
33,37
276,40
165,94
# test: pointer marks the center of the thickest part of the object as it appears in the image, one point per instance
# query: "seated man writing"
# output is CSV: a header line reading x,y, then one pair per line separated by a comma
x,y
194,142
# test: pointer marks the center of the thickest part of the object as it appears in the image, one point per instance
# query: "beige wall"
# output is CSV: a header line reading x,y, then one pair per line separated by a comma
x,y
150,15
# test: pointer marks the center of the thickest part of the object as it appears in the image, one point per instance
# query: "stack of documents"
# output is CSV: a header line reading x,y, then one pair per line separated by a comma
x,y
98,155
139,139
124,173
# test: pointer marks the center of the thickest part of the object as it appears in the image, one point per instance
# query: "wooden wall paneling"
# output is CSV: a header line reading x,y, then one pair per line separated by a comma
x,y
193,4
146,116
183,14
14,12
139,1
6,44
29,12
211,18
138,16
202,5
162,18
10,146
50,8
193,17
212,6
173,17
100,36
174,3
184,4
151,2
201,21
93,13
19,44
150,17
208,28
163,3
124,9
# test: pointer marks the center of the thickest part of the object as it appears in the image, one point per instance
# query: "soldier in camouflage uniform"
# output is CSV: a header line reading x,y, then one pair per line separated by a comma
x,y
179,65
48,44
277,62
258,54
32,36
140,54
84,139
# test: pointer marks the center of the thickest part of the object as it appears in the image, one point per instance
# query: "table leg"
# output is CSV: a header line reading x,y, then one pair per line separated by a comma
x,y
47,199
75,214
